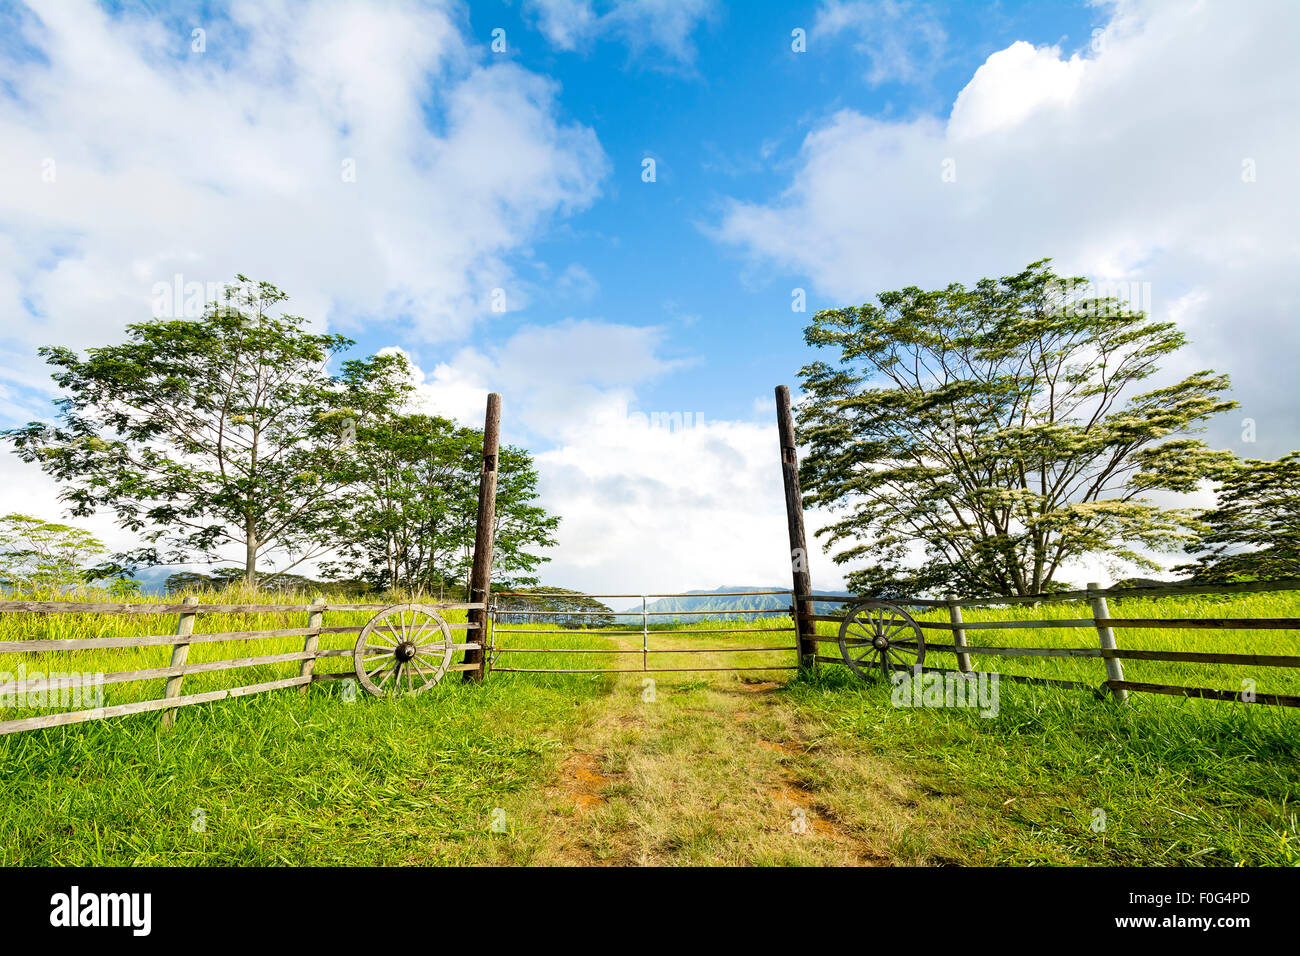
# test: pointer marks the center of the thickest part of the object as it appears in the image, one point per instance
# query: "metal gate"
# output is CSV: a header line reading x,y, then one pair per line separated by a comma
x,y
501,616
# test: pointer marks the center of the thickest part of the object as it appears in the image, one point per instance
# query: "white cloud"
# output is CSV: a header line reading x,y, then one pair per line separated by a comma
x,y
565,23
663,27
233,160
1127,164
555,380
1010,86
576,284
653,499
903,42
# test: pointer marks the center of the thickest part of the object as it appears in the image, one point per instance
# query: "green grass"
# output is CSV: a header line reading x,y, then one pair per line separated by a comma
x,y
1181,781
706,773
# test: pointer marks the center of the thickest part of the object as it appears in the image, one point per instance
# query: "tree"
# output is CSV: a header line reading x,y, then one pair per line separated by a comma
x,y
1254,532
413,506
409,497
36,554
202,434
520,524
975,440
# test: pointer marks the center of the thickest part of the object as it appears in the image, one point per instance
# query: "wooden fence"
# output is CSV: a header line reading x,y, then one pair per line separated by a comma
x,y
1107,643
181,640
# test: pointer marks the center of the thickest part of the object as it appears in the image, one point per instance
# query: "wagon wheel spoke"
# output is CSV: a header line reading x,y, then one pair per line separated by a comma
x,y
426,629
867,651
894,654
378,670
421,657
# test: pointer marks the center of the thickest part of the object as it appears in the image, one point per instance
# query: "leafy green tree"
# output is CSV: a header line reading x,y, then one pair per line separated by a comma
x,y
204,434
521,524
36,554
1254,532
413,505
409,497
975,440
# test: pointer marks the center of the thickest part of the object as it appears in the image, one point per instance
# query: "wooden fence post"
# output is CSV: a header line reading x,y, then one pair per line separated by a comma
x,y
805,626
958,633
180,651
480,579
1114,668
315,618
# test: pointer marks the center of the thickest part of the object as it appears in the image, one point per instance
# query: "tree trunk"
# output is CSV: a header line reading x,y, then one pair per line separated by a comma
x,y
250,551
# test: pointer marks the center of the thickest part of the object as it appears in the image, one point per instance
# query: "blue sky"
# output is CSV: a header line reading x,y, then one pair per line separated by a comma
x,y
392,172
724,118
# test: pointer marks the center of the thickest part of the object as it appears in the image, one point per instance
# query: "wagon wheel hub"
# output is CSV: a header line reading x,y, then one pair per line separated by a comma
x,y
880,642
405,651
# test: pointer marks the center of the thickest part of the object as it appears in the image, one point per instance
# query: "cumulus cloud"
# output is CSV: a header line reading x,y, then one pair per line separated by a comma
x,y
1013,83
651,498
360,156
1163,154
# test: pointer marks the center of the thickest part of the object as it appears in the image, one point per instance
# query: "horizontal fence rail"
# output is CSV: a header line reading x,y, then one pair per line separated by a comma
x,y
502,613
1054,597
1104,624
107,607
188,613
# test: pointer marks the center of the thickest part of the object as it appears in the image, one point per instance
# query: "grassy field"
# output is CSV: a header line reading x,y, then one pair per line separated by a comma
x,y
750,767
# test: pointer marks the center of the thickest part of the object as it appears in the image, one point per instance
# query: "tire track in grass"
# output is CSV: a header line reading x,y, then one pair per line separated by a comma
x,y
705,773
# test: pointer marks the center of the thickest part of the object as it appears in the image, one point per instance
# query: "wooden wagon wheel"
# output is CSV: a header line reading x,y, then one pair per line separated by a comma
x,y
404,649
881,637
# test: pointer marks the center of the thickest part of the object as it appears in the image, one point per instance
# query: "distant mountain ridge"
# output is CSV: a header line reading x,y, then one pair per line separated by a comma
x,y
737,607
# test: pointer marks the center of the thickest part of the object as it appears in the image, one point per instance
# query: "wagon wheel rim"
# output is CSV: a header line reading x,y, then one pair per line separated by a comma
x,y
404,650
879,639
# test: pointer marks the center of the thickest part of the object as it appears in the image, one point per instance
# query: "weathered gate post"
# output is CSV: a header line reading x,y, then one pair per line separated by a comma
x,y
805,627
1114,667
180,653
480,578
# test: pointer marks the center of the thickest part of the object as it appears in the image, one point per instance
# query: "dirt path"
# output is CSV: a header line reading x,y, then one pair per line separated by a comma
x,y
714,771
